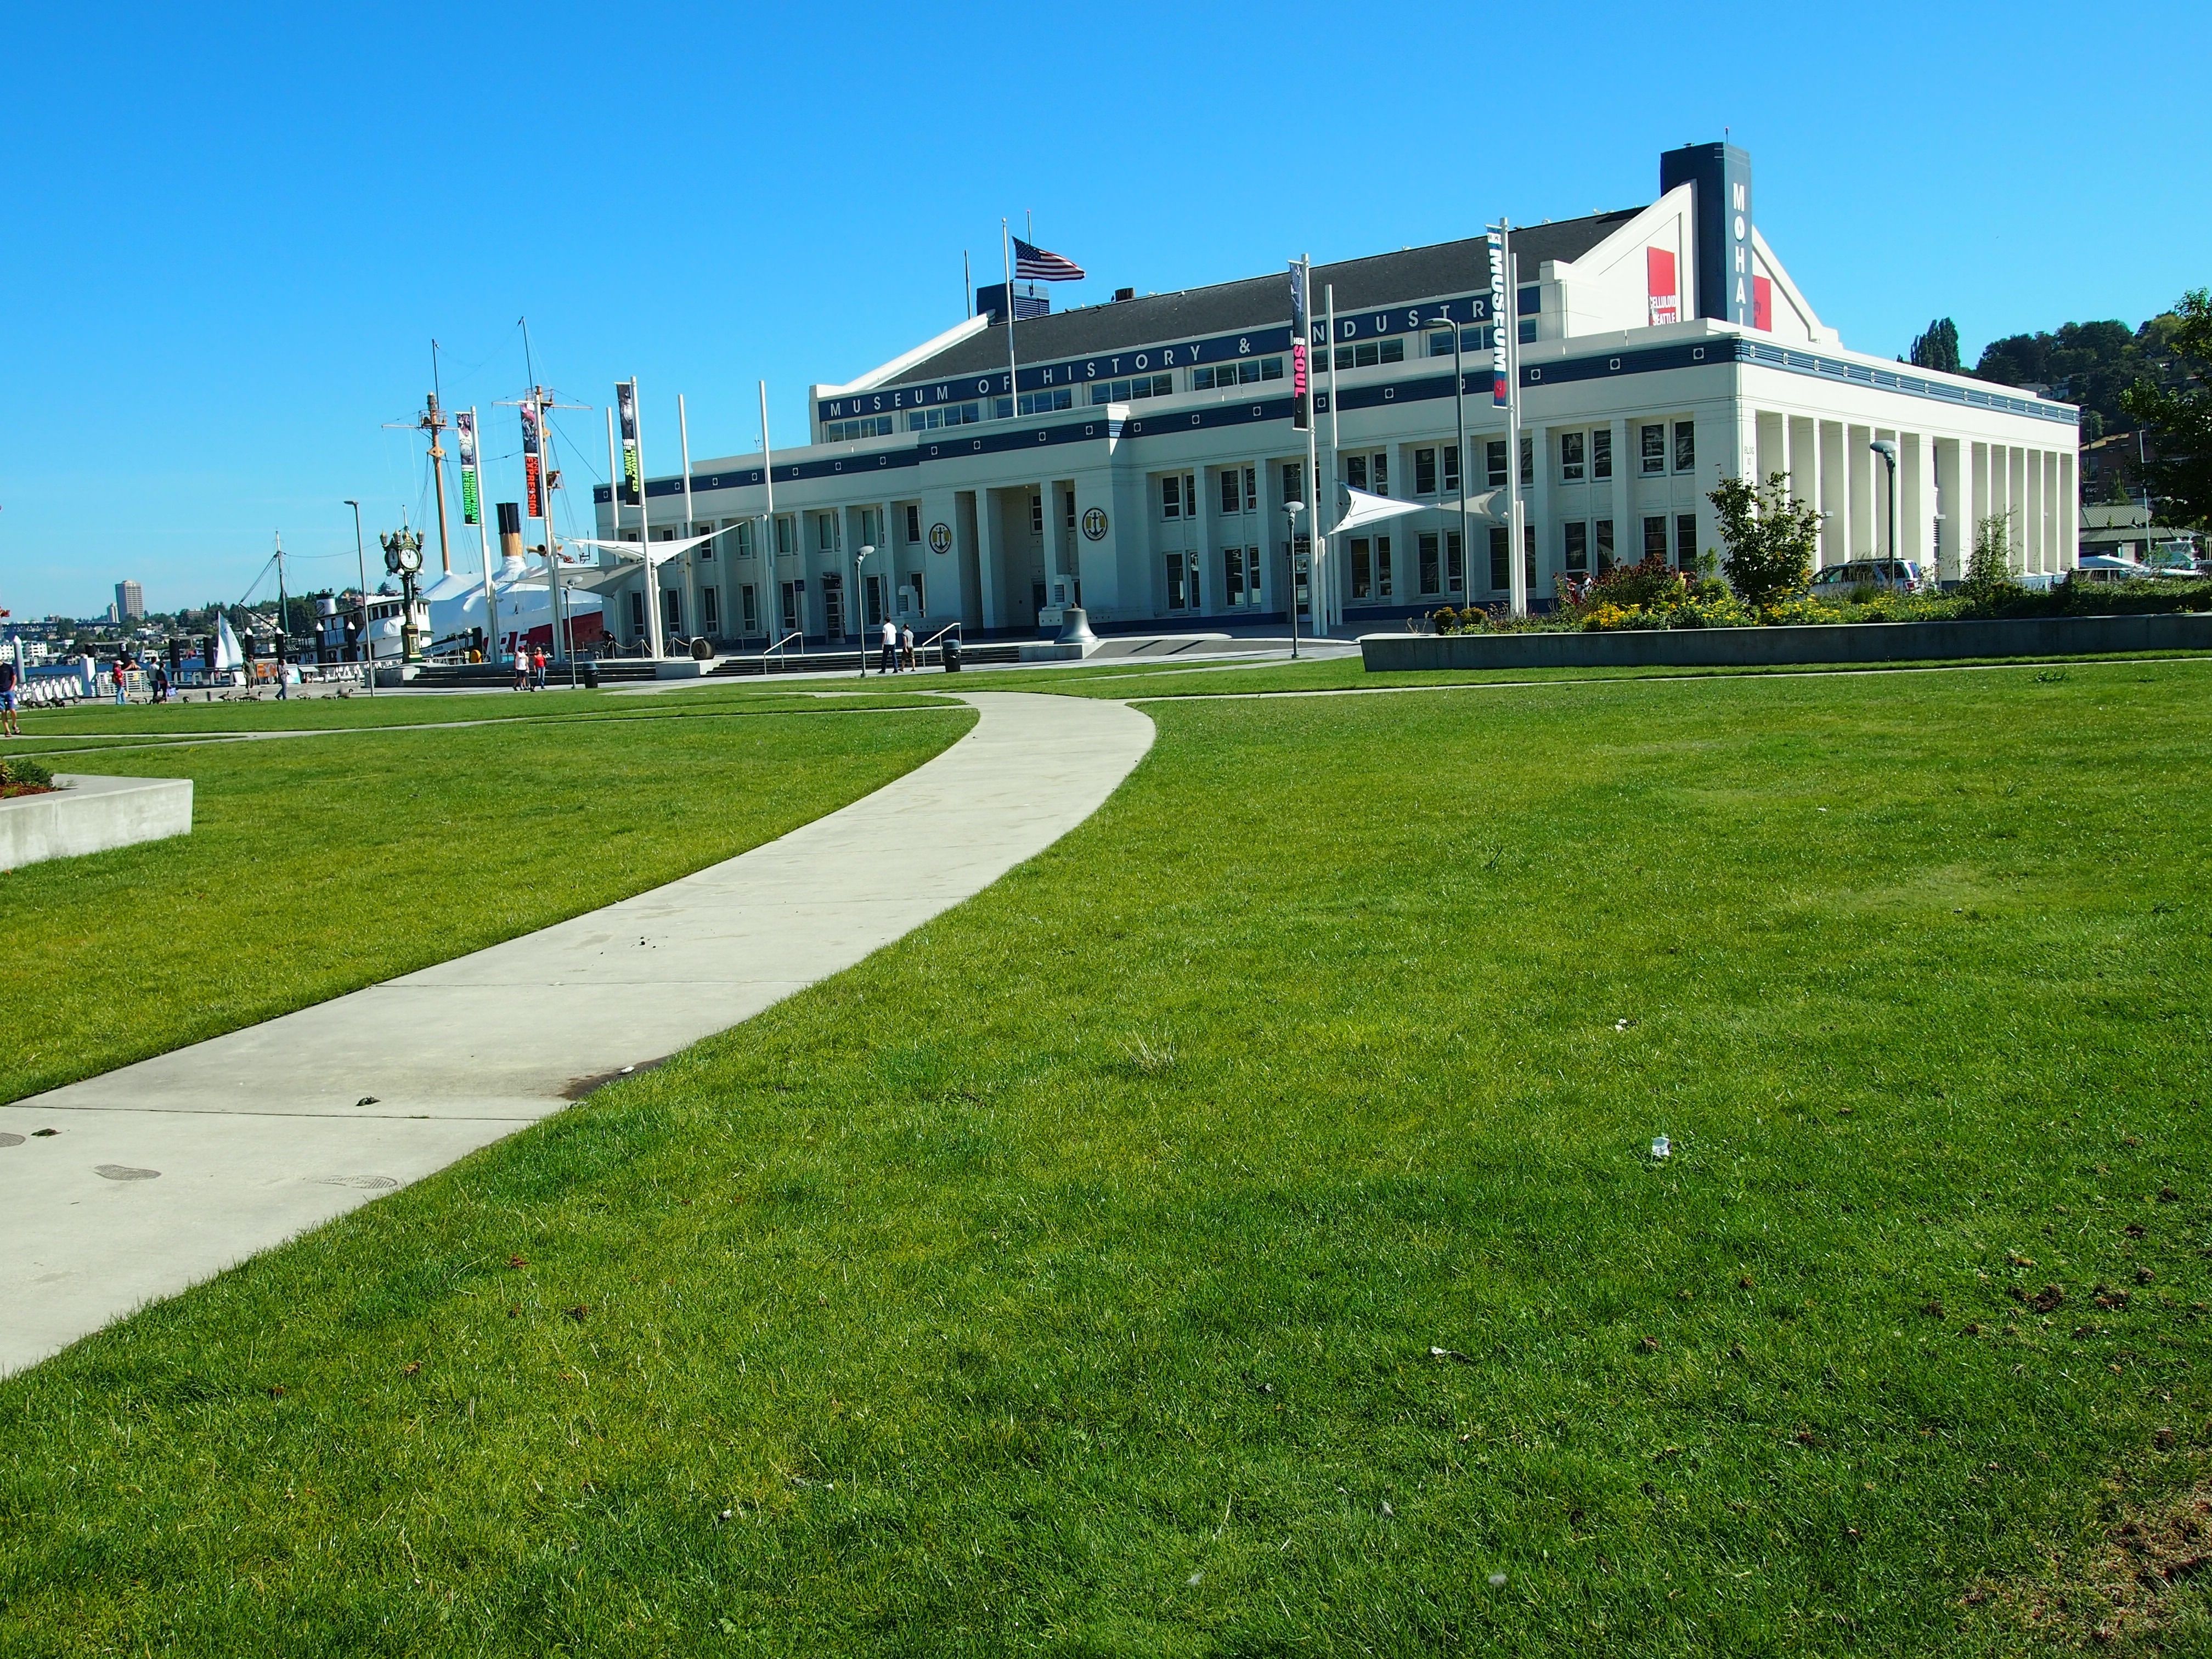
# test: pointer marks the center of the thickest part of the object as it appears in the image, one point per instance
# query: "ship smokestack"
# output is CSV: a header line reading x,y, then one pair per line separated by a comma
x,y
510,530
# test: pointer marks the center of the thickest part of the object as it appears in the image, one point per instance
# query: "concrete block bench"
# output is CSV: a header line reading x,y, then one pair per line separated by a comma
x,y
90,815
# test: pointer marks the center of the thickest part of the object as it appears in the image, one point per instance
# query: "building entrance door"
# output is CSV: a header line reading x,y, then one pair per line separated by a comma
x,y
833,607
791,595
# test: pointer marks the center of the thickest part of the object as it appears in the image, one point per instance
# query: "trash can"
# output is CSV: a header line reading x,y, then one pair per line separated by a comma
x,y
591,677
953,656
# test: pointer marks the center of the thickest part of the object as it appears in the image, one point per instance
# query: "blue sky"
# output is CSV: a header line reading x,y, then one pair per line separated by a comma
x,y
233,232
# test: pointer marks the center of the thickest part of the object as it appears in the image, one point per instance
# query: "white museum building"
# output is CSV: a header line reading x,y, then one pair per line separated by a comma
x,y
1139,463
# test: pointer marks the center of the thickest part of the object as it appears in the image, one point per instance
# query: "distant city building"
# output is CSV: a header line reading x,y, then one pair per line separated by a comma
x,y
130,602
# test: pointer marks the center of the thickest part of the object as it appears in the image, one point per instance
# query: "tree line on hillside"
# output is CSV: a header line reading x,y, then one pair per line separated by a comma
x,y
2157,376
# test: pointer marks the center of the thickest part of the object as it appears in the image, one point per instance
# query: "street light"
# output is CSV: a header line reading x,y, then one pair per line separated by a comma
x,y
367,647
1290,511
861,610
1887,450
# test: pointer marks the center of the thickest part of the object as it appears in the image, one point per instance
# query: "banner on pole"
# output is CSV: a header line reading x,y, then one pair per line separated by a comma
x,y
1502,317
1301,345
464,434
533,493
631,490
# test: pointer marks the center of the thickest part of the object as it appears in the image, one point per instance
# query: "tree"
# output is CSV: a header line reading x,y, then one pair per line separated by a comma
x,y
1772,537
1989,573
2178,410
1939,347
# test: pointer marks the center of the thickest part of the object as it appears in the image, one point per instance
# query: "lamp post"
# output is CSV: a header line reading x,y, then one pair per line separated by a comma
x,y
367,646
1887,450
1290,511
859,609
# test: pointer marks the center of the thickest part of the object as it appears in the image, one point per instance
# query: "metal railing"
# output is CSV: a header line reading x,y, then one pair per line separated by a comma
x,y
782,657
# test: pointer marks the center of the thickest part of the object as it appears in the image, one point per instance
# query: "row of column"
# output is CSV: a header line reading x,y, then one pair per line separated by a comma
x,y
1946,488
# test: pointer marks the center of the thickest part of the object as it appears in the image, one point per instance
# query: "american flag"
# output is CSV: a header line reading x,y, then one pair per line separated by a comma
x,y
1034,264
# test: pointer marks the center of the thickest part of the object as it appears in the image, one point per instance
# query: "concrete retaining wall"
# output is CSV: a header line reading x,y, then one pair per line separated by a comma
x,y
1715,647
92,814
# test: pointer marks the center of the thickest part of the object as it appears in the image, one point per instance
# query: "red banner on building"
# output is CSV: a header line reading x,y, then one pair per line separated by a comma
x,y
1660,284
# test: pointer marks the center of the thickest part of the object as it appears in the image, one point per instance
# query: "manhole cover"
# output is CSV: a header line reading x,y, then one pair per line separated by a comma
x,y
10,1140
125,1172
369,1182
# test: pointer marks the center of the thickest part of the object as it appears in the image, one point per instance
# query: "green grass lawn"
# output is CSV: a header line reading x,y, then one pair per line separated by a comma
x,y
318,864
1236,1233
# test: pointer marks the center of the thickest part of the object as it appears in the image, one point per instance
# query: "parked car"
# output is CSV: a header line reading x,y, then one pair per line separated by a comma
x,y
1884,575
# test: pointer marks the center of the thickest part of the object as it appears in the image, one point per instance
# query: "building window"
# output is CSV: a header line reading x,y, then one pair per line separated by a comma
x,y
1470,340
1369,472
1528,330
671,611
1576,535
1570,457
787,534
1685,447
1427,550
1451,469
1655,449
706,548
1527,460
1240,576
1068,509
1601,454
1604,545
1232,493
710,611
841,432
745,538
1294,479
1494,459
1425,472
1043,403
1363,569
1037,512
833,605
871,526
1454,562
1179,496
1501,568
1654,539
1368,353
1183,581
913,581
1123,392
1223,375
748,608
928,420
636,612
913,524
825,533
1685,541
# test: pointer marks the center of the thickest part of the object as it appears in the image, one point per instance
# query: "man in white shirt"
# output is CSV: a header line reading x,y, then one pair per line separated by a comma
x,y
888,663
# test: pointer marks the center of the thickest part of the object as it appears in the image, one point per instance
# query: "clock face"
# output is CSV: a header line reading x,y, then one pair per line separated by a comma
x,y
411,558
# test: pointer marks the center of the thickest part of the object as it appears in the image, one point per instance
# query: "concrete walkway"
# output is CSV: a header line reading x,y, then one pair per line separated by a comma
x,y
164,1173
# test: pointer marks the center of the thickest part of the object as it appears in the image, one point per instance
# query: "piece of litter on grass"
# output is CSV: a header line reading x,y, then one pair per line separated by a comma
x,y
1497,1580
1622,1024
1193,1580
1662,1147
1449,1353
1388,1514
627,1070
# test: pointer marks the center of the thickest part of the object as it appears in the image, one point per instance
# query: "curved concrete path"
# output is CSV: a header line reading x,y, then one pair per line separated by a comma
x,y
166,1172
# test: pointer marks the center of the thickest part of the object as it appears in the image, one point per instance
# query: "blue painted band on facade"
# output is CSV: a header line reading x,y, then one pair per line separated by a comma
x,y
1653,360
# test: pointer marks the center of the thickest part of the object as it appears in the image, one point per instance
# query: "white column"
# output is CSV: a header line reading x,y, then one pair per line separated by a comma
x,y
2069,514
1540,510
990,553
1627,532
1835,495
1911,519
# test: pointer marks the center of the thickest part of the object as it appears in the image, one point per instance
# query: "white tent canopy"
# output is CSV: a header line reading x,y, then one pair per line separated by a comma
x,y
1361,509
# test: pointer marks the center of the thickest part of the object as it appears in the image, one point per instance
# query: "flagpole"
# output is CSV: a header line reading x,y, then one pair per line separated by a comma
x,y
644,538
691,529
1006,251
614,482
774,595
1328,298
1316,559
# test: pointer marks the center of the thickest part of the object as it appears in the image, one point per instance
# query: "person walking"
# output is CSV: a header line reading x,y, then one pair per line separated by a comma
x,y
887,662
906,648
9,725
161,683
121,675
538,669
521,667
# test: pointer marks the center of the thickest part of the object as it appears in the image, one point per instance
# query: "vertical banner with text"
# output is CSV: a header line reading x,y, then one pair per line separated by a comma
x,y
631,489
465,434
1502,317
533,492
1301,347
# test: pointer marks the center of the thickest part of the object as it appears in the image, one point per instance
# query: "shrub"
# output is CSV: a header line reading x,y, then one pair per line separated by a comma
x,y
20,774
1770,538
1990,584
